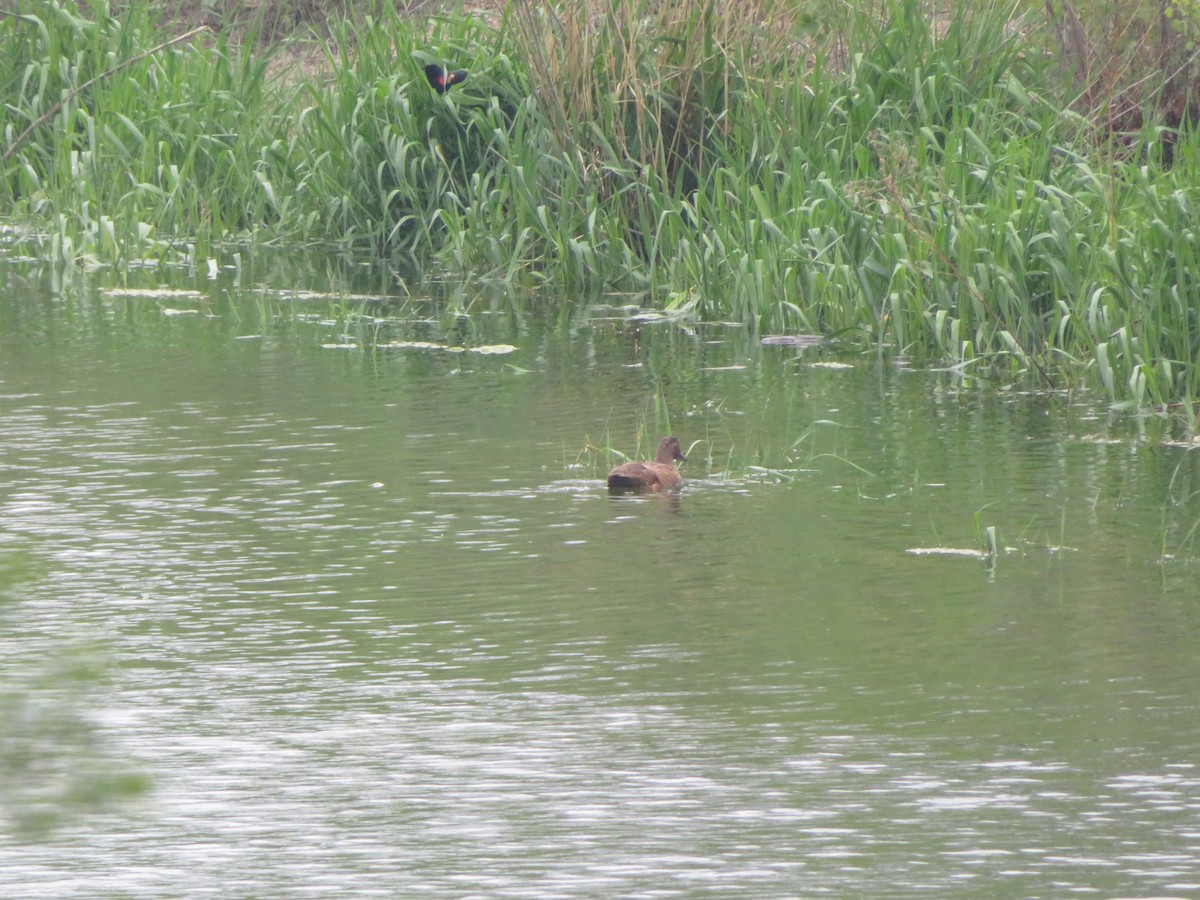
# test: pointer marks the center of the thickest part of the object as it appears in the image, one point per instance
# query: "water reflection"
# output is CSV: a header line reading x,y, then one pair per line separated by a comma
x,y
371,629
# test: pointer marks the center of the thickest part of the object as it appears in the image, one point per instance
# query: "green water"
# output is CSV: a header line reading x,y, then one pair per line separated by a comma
x,y
367,622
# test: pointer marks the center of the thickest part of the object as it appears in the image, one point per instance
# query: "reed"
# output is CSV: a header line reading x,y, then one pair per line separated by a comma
x,y
891,178
122,142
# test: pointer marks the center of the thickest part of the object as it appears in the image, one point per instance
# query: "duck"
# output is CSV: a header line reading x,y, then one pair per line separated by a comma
x,y
660,475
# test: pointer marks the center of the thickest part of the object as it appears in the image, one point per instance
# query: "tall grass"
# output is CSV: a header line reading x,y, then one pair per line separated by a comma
x,y
888,176
141,148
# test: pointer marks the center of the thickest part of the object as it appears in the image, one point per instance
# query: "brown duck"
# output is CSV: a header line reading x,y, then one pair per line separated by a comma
x,y
660,475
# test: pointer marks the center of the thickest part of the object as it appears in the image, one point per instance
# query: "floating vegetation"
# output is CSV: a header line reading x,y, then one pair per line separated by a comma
x,y
153,293
327,296
413,345
485,350
960,552
792,340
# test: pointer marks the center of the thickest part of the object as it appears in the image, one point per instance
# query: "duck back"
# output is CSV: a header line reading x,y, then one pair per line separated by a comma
x,y
660,475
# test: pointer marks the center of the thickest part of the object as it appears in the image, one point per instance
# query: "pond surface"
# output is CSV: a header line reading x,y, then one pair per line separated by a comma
x,y
371,625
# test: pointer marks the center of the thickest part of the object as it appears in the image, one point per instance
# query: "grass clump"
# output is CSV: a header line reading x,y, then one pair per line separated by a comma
x,y
114,137
936,184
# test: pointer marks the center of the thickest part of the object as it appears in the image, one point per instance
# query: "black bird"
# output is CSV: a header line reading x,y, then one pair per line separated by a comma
x,y
441,80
